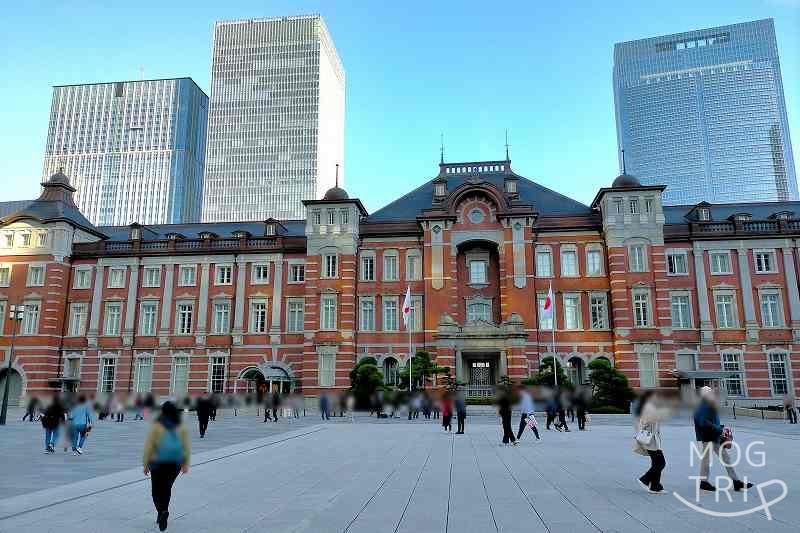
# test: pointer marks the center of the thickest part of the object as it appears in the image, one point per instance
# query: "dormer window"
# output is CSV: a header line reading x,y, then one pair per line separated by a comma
x,y
783,215
136,233
742,217
703,214
174,236
207,235
511,186
270,229
241,234
440,189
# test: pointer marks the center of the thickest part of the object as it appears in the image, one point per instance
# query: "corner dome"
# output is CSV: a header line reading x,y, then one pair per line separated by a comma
x,y
335,194
625,181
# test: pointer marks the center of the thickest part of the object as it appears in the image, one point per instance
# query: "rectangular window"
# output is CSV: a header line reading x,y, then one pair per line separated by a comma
x,y
330,266
108,370
390,268
217,375
316,217
8,240
5,276
180,376
415,314
295,315
390,321
25,239
77,319
331,216
618,206
41,239
224,275
3,306
258,317
152,277
36,276
328,313
30,318
72,367
367,268
679,309
148,318
261,274
599,311
765,261
82,278
726,311
344,216
777,374
685,362
113,318
222,313
297,273
327,369
594,262
116,278
143,374
676,264
634,204
544,263
187,275
641,309
479,311
647,370
572,311
184,318
732,362
413,270
545,322
637,257
569,263
648,205
477,272
367,315
720,263
771,316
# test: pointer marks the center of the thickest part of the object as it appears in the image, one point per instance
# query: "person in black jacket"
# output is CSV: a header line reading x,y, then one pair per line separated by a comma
x,y
203,411
710,433
52,418
504,403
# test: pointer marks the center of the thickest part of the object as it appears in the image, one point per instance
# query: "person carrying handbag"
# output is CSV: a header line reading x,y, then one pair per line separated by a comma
x,y
647,440
80,423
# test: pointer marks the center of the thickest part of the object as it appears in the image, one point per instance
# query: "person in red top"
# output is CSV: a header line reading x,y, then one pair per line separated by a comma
x,y
447,412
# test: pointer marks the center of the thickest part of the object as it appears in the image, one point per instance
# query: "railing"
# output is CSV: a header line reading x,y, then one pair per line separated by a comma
x,y
154,245
119,246
745,227
479,391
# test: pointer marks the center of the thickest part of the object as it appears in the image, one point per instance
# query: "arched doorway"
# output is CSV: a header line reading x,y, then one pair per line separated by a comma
x,y
254,380
14,385
391,371
576,370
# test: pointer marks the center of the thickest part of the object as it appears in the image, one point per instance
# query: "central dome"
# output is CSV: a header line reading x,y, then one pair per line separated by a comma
x,y
625,181
335,193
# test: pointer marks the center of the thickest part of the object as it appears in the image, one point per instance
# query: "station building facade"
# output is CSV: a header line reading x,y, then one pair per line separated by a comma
x,y
674,296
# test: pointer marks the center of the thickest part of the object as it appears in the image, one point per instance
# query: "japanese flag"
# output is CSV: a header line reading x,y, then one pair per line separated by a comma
x,y
547,309
407,307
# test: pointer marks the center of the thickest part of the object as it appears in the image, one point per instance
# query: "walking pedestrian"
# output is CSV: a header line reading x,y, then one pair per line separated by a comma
x,y
267,407
461,412
580,409
166,453
324,405
552,409
715,439
203,410
504,404
788,406
54,415
276,402
30,411
526,408
447,412
80,424
562,419
647,440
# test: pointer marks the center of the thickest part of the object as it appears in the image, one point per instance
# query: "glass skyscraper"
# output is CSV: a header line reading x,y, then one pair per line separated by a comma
x,y
134,150
276,118
703,112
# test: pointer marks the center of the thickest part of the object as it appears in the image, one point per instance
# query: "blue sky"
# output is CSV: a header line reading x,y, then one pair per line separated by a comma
x,y
415,69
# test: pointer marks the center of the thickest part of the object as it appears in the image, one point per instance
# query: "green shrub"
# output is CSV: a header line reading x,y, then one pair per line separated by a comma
x,y
480,401
607,410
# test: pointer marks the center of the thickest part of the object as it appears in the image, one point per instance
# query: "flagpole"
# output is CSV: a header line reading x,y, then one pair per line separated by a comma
x,y
410,357
553,346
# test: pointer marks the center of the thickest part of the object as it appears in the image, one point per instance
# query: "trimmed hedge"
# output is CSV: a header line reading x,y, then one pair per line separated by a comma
x,y
607,410
480,401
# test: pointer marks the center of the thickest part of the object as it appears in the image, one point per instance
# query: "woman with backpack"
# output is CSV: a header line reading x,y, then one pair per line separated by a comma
x,y
166,453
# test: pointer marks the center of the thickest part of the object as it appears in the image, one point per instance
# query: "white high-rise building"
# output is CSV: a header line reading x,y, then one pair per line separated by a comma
x,y
276,118
134,149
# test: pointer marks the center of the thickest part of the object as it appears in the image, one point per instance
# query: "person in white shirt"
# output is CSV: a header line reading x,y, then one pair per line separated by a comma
x,y
526,407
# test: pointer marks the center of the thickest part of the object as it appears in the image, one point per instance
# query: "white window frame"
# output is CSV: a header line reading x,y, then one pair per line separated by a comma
x,y
637,262
328,310
223,274
116,277
179,361
180,325
413,265
326,376
633,204
416,313
143,331
258,321
215,361
683,353
112,328
642,356
367,267
672,255
483,272
572,251
603,298
544,251
78,313
107,363
773,260
294,324
363,323
390,320
786,379
571,302
734,309
151,276
592,250
143,363
727,363
712,264
648,308
778,320
544,323
36,280
479,310
681,324
6,282
7,240
330,266
31,317
78,275
391,265
221,326
260,274
184,279
297,271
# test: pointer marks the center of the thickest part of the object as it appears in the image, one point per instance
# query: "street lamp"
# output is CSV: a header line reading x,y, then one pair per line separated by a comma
x,y
15,314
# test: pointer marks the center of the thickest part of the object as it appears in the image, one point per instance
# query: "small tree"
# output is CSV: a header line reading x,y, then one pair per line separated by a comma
x,y
422,367
365,379
609,385
544,376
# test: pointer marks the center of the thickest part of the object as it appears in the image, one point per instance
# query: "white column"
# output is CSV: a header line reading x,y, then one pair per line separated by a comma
x,y
706,328
130,304
97,300
166,302
792,291
747,295
202,305
238,318
277,302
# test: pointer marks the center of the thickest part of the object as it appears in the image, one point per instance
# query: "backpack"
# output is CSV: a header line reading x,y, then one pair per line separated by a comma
x,y
169,448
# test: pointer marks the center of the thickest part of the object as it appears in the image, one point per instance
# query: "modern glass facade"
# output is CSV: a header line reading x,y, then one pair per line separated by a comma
x,y
703,112
276,121
134,150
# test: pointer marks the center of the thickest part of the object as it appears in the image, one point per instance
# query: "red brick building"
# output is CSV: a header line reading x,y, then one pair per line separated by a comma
x,y
669,295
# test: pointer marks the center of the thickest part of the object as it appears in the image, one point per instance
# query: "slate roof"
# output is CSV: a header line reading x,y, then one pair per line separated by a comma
x,y
676,214
546,201
7,208
294,228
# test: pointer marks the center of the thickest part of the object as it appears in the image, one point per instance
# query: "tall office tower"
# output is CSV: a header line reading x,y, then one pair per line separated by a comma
x,y
135,150
703,113
276,120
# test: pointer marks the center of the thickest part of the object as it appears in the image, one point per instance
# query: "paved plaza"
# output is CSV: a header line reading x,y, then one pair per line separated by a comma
x,y
388,475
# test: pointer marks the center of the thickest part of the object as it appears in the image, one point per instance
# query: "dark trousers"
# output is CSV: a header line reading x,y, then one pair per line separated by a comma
x,y
120,416
447,422
266,414
523,423
550,418
274,414
461,417
203,422
652,478
508,432
562,420
792,415
161,479
581,420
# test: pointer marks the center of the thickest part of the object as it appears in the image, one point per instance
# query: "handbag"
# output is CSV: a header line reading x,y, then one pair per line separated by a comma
x,y
644,436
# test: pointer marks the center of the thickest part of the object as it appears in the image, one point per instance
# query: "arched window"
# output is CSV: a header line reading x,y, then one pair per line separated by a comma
x,y
391,371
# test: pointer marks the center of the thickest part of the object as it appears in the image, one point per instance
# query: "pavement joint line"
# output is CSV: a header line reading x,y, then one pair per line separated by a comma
x,y
524,492
483,481
135,481
450,484
414,488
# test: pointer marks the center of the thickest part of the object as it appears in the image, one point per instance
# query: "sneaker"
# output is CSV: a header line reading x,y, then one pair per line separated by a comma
x,y
516,442
657,490
162,520
75,453
47,450
739,485
79,451
559,429
705,485
644,485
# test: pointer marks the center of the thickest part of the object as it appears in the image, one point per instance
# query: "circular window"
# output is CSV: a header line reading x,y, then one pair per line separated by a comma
x,y
476,216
